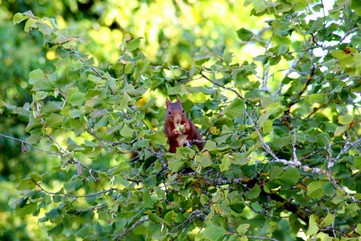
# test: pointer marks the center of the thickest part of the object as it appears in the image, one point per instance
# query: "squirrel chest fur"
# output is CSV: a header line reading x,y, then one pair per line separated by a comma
x,y
178,129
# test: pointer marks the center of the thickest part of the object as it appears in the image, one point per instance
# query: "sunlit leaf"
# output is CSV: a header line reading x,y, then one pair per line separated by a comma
x,y
345,119
235,108
19,17
313,225
341,129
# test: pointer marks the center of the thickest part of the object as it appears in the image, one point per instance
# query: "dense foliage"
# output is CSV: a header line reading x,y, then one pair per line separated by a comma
x,y
282,154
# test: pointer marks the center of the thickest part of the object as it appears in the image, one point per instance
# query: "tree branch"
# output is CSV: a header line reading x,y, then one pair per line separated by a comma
x,y
36,148
136,224
222,86
71,195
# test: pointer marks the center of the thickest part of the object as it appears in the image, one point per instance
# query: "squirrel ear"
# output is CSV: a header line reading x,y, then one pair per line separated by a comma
x,y
167,102
179,100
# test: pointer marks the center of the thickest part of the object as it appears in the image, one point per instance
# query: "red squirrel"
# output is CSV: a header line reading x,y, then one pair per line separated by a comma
x,y
178,129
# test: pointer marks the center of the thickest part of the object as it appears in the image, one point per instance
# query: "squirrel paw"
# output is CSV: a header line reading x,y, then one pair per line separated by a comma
x,y
175,132
186,127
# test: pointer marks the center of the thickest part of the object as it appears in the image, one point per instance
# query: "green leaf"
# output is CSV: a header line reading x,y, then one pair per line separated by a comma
x,y
175,165
45,29
313,225
204,199
77,99
53,214
26,184
133,44
345,119
70,44
209,146
54,120
356,6
290,176
280,142
29,13
32,124
30,24
341,129
225,164
110,81
237,207
17,202
328,220
126,131
19,17
315,189
71,144
123,102
40,81
121,182
158,138
56,230
243,228
358,228
170,217
154,217
253,193
96,79
317,98
275,172
357,163
235,108
27,209
214,233
51,106
73,185
244,34
204,159
259,5
147,200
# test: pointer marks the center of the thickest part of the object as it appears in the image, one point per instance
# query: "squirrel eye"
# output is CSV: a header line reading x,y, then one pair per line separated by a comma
x,y
183,111
169,113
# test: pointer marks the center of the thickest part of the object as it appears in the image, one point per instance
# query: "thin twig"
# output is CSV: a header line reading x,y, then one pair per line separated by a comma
x,y
295,159
136,224
290,70
36,148
222,86
262,238
71,195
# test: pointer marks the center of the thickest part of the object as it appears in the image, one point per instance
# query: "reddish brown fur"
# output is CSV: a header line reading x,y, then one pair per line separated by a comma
x,y
175,116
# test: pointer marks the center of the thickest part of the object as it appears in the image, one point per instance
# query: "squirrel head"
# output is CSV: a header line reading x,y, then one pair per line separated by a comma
x,y
175,112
